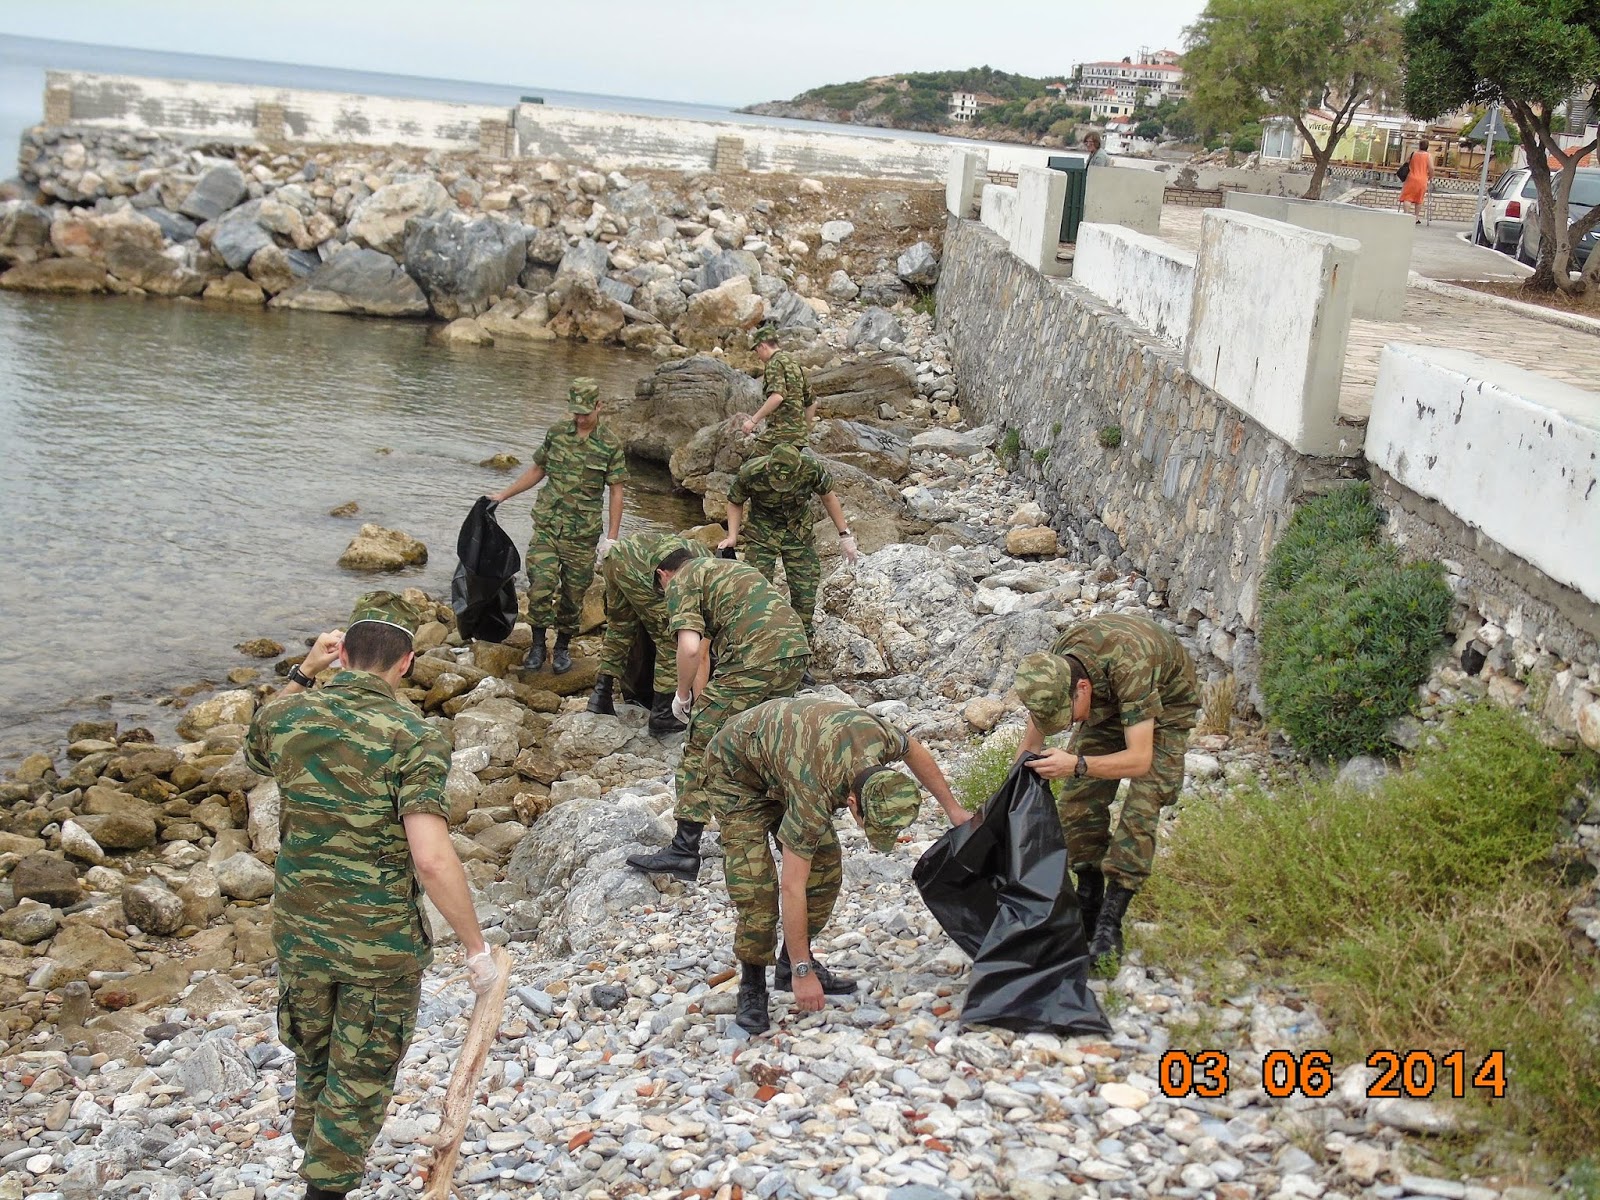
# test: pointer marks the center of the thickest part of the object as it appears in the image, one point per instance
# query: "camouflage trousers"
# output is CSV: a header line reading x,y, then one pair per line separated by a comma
x,y
801,567
747,815
560,570
726,696
348,1040
623,623
1085,807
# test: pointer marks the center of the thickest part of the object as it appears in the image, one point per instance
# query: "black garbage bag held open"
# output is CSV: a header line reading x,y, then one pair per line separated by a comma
x,y
999,886
484,590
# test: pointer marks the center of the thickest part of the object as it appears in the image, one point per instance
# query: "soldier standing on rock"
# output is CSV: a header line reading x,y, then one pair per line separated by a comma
x,y
784,768
364,820
790,407
1129,686
758,652
583,461
635,603
778,487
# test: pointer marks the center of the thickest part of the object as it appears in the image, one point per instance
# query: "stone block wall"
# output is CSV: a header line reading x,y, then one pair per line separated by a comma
x,y
1193,197
1196,492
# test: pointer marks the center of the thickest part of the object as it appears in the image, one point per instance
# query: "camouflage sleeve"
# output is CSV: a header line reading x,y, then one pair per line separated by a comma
x,y
1138,690
542,454
823,484
683,608
617,467
772,381
806,821
423,767
739,489
256,745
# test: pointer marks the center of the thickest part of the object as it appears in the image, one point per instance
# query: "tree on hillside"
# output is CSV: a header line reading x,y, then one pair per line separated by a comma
x,y
1252,59
1527,55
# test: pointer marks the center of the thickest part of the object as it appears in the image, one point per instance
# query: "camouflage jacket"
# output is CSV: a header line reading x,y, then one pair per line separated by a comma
x,y
630,572
779,502
749,623
1139,671
572,501
808,750
786,423
351,760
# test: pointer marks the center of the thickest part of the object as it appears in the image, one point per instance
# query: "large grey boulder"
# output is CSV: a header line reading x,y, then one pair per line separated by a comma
x,y
244,877
24,232
174,228
726,265
874,327
919,266
153,907
153,272
214,193
580,309
585,257
379,221
218,1067
859,388
790,311
883,289
681,398
49,880
874,450
546,247
237,236
663,299
357,281
464,266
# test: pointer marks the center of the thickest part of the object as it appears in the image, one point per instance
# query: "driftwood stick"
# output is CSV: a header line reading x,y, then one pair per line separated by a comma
x,y
463,1089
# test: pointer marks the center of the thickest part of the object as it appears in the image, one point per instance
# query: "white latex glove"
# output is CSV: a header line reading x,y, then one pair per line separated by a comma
x,y
847,547
484,973
603,548
681,706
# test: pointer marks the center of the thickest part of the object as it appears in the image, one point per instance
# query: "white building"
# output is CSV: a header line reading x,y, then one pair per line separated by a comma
x,y
1109,105
963,106
1160,79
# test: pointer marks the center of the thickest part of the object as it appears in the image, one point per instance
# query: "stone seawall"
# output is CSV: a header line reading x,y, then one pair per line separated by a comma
x,y
1193,494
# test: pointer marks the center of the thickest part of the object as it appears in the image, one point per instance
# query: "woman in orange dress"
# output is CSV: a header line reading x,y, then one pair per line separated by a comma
x,y
1415,189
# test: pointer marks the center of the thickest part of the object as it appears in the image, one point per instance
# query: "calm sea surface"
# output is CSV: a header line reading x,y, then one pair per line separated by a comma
x,y
166,471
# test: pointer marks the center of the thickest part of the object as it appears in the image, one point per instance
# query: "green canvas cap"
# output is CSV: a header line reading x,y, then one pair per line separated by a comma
x,y
767,333
386,608
583,396
1044,683
785,457
889,802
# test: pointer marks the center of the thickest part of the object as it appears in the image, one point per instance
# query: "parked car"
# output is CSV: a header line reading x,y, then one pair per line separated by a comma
x,y
1500,222
1585,195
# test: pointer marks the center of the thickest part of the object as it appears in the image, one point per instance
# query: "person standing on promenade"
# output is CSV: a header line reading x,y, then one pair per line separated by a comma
x,y
778,487
364,820
583,462
1414,191
1129,686
783,769
1097,156
758,652
789,407
634,602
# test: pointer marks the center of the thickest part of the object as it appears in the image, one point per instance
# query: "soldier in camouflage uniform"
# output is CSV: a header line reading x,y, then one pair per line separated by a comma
x,y
758,652
778,487
634,602
1130,688
363,821
783,769
789,407
583,461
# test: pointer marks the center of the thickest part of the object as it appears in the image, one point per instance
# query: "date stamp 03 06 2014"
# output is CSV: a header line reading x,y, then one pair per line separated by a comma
x,y
1409,1073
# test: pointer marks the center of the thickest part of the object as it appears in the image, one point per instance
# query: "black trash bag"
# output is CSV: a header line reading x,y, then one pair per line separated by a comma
x,y
484,590
999,886
639,676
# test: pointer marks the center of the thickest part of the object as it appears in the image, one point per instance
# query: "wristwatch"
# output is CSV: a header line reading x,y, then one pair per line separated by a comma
x,y
802,969
844,533
1080,768
296,675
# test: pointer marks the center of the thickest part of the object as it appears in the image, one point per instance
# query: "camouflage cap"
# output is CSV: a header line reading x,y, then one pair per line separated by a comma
x,y
1044,683
889,802
785,457
583,397
767,333
387,609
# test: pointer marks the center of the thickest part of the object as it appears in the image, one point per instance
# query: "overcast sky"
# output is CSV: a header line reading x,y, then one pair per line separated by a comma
x,y
709,51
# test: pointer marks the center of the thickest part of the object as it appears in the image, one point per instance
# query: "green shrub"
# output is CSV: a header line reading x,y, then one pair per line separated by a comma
x,y
983,773
1427,913
1010,448
925,304
1109,437
1348,631
1041,456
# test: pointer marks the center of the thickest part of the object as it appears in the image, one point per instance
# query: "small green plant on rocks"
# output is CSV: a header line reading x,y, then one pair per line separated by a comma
x,y
982,774
1348,631
1109,437
1010,448
1041,456
926,305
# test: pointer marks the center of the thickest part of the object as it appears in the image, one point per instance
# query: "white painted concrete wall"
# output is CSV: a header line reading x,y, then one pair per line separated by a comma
x,y
1269,324
616,140
999,210
1124,196
1041,198
1514,454
1385,261
962,189
228,110
1150,280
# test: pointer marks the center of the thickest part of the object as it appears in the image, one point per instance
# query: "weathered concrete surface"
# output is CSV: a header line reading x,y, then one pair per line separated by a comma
x,y
1041,197
998,211
1150,280
1124,196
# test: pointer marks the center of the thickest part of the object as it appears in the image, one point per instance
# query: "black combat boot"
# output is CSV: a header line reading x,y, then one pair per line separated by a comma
x,y
662,722
1105,951
313,1192
535,659
681,859
832,985
600,700
561,657
753,1016
808,679
1091,893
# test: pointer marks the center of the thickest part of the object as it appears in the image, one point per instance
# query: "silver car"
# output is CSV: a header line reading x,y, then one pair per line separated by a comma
x,y
1585,195
1500,222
